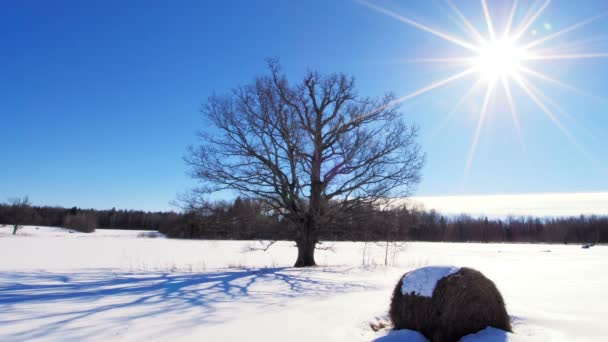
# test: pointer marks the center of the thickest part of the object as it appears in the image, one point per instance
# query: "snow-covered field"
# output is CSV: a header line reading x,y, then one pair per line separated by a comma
x,y
117,285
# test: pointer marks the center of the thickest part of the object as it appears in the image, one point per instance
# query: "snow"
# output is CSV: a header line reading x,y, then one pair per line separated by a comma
x,y
493,335
422,281
70,233
402,335
487,335
114,285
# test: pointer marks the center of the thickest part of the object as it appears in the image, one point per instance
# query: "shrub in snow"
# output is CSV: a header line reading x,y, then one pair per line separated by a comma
x,y
150,235
447,303
82,222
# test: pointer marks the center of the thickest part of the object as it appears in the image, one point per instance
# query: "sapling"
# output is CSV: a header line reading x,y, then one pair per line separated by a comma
x,y
16,227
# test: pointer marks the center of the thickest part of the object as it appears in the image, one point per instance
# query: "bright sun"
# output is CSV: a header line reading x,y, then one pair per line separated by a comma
x,y
499,59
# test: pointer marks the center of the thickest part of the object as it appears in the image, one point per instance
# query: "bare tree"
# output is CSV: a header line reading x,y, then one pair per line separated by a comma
x,y
20,208
308,150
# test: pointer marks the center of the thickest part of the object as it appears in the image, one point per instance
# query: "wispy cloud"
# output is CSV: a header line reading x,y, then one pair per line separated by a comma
x,y
537,204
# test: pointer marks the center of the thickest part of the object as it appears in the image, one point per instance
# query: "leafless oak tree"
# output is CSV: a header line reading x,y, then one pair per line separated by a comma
x,y
308,150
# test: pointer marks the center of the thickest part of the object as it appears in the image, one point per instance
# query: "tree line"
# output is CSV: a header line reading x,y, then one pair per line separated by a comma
x,y
247,219
85,220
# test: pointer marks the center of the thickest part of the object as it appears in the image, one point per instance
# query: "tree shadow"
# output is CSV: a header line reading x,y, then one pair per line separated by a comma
x,y
64,303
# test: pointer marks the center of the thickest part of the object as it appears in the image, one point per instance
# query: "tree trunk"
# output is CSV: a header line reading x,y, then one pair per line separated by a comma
x,y
308,233
306,243
306,254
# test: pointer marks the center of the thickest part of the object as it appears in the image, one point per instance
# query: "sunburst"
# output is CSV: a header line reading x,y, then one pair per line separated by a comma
x,y
500,60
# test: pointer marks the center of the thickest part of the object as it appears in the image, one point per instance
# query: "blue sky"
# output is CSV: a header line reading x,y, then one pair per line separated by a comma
x,y
99,99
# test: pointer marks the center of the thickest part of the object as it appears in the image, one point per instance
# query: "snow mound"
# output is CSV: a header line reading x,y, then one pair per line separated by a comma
x,y
402,335
422,281
490,334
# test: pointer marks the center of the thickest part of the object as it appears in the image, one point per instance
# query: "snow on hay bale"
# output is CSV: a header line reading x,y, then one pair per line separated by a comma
x,y
445,303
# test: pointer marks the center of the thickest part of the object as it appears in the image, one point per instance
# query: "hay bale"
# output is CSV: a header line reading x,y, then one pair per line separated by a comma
x,y
445,304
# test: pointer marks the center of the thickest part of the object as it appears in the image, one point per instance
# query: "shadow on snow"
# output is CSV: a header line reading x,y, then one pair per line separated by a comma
x,y
62,303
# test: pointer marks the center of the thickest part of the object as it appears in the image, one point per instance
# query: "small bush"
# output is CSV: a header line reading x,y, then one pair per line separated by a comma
x,y
149,235
81,222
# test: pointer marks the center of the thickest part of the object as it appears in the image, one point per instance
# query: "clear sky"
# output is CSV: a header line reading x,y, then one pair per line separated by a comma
x,y
100,99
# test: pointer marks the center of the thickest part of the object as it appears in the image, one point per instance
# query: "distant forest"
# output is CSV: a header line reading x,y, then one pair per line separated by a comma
x,y
245,219
87,220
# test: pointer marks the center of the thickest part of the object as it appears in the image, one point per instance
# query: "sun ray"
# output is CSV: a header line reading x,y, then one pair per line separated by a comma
x,y
551,80
457,106
547,100
509,24
548,79
534,97
551,103
564,31
440,34
435,85
471,29
547,57
455,60
486,13
573,46
534,93
480,122
529,21
514,113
